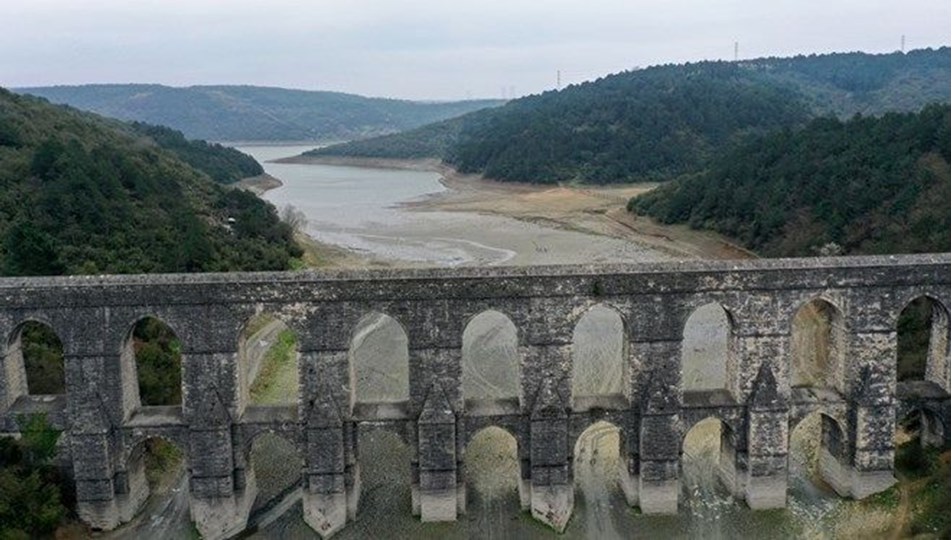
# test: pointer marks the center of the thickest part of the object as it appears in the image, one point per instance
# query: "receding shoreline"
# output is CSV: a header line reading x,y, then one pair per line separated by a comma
x,y
428,164
259,184
589,209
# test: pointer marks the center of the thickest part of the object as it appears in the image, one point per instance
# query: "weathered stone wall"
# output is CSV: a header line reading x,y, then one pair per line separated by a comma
x,y
105,421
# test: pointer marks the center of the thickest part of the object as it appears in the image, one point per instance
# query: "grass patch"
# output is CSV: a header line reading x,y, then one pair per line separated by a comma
x,y
314,255
887,500
932,500
925,473
278,378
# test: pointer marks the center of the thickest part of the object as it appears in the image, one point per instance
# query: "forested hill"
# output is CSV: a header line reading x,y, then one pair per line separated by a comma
x,y
866,185
84,194
848,83
664,121
251,113
223,164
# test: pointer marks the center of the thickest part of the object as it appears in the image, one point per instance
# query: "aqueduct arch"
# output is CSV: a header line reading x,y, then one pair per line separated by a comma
x,y
102,423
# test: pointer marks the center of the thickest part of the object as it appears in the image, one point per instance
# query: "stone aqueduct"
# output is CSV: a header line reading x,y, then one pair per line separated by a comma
x,y
104,421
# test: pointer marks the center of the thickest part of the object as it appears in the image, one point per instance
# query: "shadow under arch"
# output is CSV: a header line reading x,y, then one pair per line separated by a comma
x,y
922,342
599,374
924,425
818,343
817,453
34,364
708,460
379,361
491,359
152,366
268,362
707,348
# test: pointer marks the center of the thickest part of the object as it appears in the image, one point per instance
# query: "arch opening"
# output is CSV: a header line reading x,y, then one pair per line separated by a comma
x,y
385,479
920,427
156,466
379,361
818,346
492,472
599,457
708,469
278,468
490,357
152,365
816,456
268,362
922,341
705,349
35,361
599,357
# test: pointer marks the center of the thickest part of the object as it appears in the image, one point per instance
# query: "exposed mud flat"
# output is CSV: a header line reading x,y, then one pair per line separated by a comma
x,y
464,219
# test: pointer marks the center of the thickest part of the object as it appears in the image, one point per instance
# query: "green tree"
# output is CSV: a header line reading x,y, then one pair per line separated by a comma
x,y
31,499
29,251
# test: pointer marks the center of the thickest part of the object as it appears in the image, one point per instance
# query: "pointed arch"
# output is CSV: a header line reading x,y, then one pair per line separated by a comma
x,y
379,361
33,363
277,465
268,362
818,346
818,450
922,342
708,447
599,355
600,451
151,365
491,465
707,348
148,460
491,366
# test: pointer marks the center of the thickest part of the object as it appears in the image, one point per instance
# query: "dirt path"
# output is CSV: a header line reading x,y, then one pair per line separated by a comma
x,y
904,509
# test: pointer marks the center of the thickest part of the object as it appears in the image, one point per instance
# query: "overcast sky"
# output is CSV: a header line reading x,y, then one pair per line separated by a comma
x,y
429,49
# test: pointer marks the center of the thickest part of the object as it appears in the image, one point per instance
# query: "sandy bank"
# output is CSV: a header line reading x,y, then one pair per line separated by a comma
x,y
258,184
598,210
371,163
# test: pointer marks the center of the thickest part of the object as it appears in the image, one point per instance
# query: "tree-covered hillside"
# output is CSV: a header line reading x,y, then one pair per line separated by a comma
x,y
429,141
251,113
224,164
83,194
664,121
848,83
866,185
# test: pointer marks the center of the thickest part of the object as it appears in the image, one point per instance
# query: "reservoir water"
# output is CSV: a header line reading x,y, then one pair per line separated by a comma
x,y
358,208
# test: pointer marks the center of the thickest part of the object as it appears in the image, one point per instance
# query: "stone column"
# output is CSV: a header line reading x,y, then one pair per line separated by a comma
x,y
552,495
92,444
325,494
436,436
660,453
872,423
218,509
767,437
629,458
